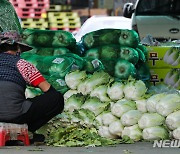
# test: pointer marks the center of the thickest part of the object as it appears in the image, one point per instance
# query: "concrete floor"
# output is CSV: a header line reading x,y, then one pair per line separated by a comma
x,y
136,148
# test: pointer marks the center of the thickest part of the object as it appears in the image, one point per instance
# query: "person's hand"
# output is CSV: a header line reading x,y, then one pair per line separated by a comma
x,y
44,86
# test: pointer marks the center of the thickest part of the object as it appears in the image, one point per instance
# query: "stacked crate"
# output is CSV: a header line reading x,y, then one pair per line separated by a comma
x,y
35,23
33,13
61,2
40,14
59,8
69,21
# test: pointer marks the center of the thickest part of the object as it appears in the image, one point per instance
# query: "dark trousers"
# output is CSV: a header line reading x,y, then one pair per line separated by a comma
x,y
43,108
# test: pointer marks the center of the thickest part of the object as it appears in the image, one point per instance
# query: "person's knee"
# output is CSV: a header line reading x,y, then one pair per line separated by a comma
x,y
59,102
57,99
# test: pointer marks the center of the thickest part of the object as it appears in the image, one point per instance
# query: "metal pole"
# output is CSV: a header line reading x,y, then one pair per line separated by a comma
x,y
90,5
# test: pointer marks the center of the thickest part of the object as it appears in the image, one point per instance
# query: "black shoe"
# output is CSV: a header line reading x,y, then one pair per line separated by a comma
x,y
37,139
14,143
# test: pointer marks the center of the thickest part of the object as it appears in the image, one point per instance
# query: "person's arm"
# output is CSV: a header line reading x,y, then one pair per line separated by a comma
x,y
32,75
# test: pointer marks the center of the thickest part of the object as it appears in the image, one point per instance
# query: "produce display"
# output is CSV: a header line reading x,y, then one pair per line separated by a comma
x,y
107,98
121,112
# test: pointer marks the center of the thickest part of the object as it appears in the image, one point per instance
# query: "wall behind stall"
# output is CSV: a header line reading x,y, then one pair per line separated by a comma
x,y
115,5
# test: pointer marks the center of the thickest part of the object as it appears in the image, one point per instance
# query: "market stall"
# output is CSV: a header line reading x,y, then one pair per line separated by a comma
x,y
107,85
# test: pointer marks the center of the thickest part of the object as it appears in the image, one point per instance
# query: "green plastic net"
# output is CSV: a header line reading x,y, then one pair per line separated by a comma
x,y
123,37
48,38
50,51
58,65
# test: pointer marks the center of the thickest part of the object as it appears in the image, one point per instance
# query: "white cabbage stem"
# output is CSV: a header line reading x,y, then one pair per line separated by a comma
x,y
134,132
141,105
116,128
69,93
108,118
176,133
155,133
131,117
104,132
115,92
168,104
150,120
173,120
153,101
122,106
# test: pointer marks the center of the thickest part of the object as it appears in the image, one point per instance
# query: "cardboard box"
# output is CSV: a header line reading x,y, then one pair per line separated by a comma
x,y
169,76
162,57
109,4
85,12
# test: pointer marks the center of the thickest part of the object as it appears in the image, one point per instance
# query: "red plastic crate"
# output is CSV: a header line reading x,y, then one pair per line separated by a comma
x,y
30,15
9,131
30,10
31,5
29,1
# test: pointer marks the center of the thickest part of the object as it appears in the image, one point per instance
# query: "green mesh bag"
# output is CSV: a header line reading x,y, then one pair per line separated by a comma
x,y
129,54
123,37
26,55
92,65
44,51
109,51
93,53
48,38
60,51
124,69
43,64
51,51
32,58
38,61
103,52
63,64
8,17
143,71
58,83
101,37
79,49
144,50
78,61
129,38
60,66
109,65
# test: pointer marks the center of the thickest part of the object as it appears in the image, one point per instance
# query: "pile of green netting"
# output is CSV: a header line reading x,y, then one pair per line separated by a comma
x,y
48,38
120,52
54,68
53,55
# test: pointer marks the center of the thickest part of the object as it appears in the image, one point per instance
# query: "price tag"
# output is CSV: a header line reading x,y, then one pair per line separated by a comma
x,y
61,82
95,63
58,60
